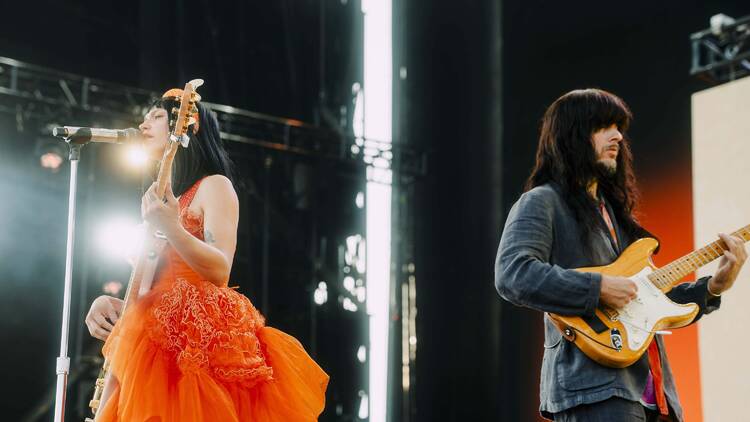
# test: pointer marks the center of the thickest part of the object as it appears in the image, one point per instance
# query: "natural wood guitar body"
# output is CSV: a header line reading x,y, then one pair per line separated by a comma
x,y
618,338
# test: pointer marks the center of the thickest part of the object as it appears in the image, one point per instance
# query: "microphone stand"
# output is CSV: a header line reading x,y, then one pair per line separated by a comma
x,y
62,366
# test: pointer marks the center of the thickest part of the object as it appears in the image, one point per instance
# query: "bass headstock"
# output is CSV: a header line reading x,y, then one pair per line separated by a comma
x,y
187,114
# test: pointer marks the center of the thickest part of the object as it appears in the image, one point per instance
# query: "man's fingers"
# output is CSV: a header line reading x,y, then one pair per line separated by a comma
x,y
732,242
732,258
739,250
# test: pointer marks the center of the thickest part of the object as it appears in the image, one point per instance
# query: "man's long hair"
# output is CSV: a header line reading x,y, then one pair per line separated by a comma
x,y
566,158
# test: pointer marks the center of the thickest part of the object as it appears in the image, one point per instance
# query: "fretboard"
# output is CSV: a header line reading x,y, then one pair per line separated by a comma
x,y
673,272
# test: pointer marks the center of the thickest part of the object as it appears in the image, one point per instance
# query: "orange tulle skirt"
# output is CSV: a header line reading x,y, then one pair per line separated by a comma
x,y
259,374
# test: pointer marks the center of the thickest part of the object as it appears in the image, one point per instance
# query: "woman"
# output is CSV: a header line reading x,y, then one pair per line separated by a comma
x,y
193,349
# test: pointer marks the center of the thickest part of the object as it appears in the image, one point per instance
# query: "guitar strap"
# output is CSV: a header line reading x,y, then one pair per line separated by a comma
x,y
654,361
608,220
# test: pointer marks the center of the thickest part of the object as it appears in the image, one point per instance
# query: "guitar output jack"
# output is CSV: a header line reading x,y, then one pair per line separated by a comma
x,y
569,334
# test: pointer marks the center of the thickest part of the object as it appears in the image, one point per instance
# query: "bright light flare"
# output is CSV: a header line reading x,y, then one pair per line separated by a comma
x,y
136,156
120,238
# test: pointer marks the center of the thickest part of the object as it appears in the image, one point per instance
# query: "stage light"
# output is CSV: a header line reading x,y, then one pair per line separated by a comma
x,y
719,21
360,200
320,296
136,156
349,284
112,287
362,354
377,126
355,254
349,305
51,153
363,412
361,294
51,161
120,238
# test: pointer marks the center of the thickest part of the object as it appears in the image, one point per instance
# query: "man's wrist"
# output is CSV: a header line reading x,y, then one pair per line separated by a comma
x,y
710,292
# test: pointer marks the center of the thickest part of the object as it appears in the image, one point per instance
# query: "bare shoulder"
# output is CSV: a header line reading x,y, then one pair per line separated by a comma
x,y
216,189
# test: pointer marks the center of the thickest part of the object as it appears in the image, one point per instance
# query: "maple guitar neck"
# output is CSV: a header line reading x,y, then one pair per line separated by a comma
x,y
669,275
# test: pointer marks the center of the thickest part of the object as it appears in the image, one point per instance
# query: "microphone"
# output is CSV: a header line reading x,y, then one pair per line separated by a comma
x,y
84,135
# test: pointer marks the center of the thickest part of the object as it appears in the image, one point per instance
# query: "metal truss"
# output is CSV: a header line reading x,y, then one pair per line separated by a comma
x,y
49,98
722,53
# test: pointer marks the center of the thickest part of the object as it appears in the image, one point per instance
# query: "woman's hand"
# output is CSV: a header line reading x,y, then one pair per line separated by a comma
x,y
104,313
161,214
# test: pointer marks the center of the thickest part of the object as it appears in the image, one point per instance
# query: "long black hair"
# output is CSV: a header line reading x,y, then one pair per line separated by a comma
x,y
566,157
205,154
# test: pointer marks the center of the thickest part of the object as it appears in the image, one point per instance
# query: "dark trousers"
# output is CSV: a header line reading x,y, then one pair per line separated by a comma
x,y
614,409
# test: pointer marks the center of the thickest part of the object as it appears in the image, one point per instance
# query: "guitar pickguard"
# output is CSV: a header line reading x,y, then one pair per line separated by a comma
x,y
641,315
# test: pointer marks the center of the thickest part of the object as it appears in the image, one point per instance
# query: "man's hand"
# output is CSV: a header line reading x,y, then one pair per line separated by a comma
x,y
729,266
617,291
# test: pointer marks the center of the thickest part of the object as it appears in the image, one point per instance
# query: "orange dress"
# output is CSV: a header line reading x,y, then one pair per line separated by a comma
x,y
190,351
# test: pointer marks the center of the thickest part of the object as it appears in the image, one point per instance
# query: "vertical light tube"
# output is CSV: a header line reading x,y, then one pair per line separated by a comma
x,y
378,105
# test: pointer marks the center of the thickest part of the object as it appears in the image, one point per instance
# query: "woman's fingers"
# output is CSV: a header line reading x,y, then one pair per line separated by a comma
x,y
169,194
114,309
103,323
96,331
100,333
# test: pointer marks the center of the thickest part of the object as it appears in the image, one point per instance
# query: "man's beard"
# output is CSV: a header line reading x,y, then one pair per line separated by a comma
x,y
607,167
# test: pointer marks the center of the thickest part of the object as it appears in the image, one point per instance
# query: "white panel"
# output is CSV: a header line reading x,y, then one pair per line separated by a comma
x,y
378,110
721,199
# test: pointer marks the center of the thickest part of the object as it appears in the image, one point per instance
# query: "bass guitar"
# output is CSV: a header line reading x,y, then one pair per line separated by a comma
x,y
154,242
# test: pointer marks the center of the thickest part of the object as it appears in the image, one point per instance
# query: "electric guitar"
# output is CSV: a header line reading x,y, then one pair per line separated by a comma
x,y
618,337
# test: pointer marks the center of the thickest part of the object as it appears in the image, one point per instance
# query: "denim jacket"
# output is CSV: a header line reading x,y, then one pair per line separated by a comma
x,y
539,247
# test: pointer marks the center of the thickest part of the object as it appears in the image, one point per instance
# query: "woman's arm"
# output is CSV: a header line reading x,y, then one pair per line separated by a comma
x,y
213,257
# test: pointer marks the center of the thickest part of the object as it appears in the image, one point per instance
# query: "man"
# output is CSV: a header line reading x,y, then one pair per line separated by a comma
x,y
577,211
